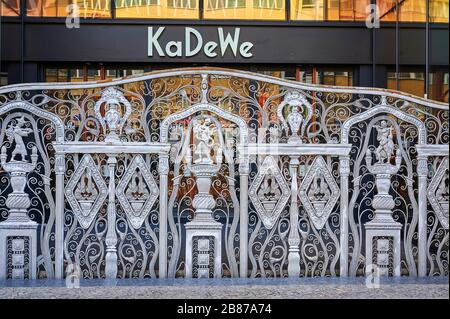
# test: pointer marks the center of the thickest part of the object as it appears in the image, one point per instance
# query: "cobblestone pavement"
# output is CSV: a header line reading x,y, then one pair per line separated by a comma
x,y
230,288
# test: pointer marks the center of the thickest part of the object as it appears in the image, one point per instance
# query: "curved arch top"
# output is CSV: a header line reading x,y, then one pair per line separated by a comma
x,y
59,126
384,109
243,130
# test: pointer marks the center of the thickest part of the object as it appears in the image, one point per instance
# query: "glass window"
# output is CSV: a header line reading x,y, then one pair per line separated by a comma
x,y
438,85
439,11
409,82
167,9
335,76
245,9
307,9
9,8
347,10
59,8
76,75
409,10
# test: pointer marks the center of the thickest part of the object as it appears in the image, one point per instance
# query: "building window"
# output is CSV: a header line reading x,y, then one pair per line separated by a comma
x,y
347,10
245,9
157,9
307,10
408,10
335,76
409,82
438,85
439,11
9,8
59,8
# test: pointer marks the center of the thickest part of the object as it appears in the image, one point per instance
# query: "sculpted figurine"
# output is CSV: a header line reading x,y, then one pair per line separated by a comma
x,y
204,132
15,133
386,146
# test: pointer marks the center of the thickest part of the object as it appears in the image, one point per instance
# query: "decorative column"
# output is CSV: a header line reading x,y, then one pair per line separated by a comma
x,y
163,170
203,232
422,171
60,169
294,237
344,171
244,170
18,233
383,232
111,236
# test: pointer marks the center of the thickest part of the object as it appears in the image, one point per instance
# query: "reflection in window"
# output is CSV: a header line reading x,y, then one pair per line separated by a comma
x,y
409,82
438,85
59,8
409,10
439,11
326,76
307,10
9,8
167,9
347,10
245,9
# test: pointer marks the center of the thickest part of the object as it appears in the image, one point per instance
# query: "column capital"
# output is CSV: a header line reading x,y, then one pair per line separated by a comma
x,y
60,164
422,166
344,165
163,164
244,166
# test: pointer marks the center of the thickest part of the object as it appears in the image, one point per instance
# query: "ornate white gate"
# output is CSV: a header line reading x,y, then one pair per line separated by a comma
x,y
217,173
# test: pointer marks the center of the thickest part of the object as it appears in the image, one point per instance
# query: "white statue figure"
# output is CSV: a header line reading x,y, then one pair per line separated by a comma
x,y
204,132
16,132
386,146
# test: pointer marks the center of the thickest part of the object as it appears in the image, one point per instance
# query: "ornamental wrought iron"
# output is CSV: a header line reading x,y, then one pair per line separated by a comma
x,y
127,178
269,192
86,191
319,192
137,191
438,194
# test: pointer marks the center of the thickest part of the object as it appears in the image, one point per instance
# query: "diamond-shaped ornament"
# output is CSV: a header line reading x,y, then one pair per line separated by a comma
x,y
86,191
137,192
438,194
269,192
319,192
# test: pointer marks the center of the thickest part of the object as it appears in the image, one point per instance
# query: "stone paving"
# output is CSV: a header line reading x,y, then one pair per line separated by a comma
x,y
229,289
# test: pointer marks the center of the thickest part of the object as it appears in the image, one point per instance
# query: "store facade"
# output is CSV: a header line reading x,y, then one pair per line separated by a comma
x,y
241,166
316,42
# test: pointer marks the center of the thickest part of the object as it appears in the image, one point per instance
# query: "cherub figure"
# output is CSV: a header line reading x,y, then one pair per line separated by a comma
x,y
204,132
16,133
386,146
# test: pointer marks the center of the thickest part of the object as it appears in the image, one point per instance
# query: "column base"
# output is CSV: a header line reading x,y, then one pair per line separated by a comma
x,y
18,249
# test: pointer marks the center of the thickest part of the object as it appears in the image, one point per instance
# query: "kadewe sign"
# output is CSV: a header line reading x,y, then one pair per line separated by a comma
x,y
192,42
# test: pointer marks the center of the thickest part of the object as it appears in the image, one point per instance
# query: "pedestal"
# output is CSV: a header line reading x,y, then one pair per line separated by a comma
x,y
383,248
203,229
200,232
18,250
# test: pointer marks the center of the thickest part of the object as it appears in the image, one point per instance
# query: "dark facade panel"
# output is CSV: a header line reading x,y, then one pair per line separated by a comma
x,y
283,44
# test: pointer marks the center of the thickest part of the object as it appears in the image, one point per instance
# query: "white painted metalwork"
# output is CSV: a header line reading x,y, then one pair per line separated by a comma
x,y
206,172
